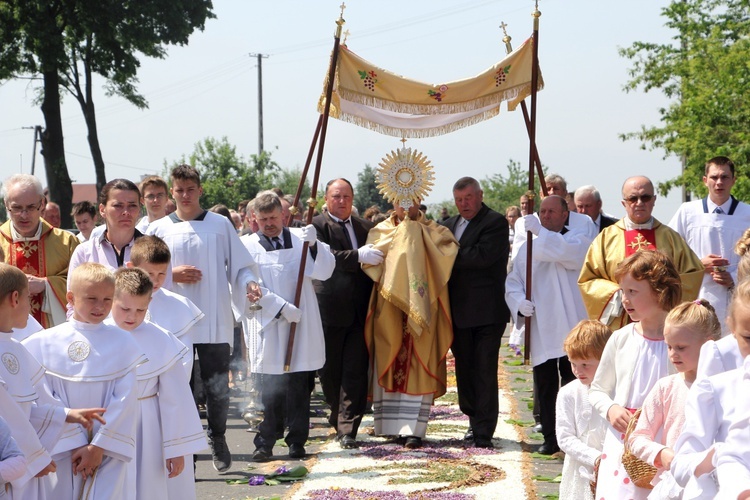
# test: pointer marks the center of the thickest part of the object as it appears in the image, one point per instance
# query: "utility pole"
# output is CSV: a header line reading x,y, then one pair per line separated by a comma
x,y
260,99
37,138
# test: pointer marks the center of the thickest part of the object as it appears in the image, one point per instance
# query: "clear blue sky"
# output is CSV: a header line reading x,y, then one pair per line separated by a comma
x,y
209,89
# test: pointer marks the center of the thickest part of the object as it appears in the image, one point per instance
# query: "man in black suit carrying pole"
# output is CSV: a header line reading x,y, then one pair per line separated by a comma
x,y
343,301
477,296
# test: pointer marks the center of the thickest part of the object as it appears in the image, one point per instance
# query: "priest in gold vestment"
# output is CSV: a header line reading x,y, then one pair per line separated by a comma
x,y
41,251
638,230
408,329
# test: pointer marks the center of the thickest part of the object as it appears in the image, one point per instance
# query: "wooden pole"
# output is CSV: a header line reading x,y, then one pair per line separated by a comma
x,y
316,177
298,195
532,149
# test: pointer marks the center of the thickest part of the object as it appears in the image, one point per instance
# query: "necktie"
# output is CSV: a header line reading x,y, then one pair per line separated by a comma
x,y
718,210
277,244
343,224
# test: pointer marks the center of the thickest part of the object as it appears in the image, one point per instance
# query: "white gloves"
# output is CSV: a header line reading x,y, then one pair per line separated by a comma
x,y
369,255
532,224
308,234
526,308
291,313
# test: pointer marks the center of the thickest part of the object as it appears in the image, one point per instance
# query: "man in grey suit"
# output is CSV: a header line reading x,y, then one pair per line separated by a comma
x,y
343,299
477,296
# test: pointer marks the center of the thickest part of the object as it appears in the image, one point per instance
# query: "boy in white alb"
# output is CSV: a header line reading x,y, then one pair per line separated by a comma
x,y
209,266
168,423
90,364
23,378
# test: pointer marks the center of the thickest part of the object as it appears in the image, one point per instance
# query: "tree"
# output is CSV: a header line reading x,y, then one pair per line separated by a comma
x,y
67,41
288,182
705,75
366,193
501,192
227,177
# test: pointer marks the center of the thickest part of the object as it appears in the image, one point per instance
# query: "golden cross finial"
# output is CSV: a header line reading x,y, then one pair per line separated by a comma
x,y
342,6
504,26
346,35
403,141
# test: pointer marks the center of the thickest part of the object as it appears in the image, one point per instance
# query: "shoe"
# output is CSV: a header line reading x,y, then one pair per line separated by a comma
x,y
413,442
220,453
537,428
483,443
348,443
296,450
469,436
263,453
548,448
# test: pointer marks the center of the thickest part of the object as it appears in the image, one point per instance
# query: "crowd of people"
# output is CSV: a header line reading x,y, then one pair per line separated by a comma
x,y
638,331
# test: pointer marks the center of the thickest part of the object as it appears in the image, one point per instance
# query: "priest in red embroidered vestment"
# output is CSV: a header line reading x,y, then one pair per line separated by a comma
x,y
36,248
638,230
408,329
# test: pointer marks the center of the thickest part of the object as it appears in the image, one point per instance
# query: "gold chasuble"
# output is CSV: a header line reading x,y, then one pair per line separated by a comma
x,y
409,329
613,245
47,257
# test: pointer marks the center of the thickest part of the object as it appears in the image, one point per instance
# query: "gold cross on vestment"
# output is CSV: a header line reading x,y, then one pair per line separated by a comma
x,y
639,243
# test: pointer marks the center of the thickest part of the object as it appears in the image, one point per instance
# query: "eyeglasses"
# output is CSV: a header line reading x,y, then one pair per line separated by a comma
x,y
152,197
18,210
644,198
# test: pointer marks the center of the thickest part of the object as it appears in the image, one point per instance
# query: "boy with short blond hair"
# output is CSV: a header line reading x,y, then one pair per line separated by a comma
x,y
164,395
91,364
580,430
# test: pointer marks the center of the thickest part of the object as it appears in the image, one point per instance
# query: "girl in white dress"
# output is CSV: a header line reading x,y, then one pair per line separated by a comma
x,y
687,328
634,359
580,430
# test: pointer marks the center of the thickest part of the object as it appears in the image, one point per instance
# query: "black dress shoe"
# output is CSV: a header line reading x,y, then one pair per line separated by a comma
x,y
262,453
548,448
348,443
469,436
413,442
483,443
296,450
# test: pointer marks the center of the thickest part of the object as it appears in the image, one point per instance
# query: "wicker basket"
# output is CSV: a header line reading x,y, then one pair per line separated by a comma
x,y
640,472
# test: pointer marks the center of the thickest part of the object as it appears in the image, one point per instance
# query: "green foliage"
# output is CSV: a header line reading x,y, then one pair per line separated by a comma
x,y
501,191
288,182
705,72
366,193
228,177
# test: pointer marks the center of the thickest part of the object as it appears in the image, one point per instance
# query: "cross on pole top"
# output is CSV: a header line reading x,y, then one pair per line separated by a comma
x,y
342,6
503,26
346,35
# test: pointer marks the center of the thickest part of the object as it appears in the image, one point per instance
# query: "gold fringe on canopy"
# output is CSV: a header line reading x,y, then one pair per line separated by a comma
x,y
374,98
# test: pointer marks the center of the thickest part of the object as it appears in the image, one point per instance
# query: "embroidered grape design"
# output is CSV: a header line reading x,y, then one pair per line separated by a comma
x,y
501,74
368,79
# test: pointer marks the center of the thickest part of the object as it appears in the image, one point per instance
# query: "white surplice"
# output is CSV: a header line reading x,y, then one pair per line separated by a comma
x,y
24,380
733,459
577,223
168,422
37,457
90,366
177,315
32,326
718,357
709,411
267,337
211,245
557,262
710,233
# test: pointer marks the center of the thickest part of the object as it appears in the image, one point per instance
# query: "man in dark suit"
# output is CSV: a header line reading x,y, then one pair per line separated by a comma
x,y
477,296
343,301
589,202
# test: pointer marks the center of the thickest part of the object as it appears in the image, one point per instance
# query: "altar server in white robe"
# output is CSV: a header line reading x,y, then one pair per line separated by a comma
x,y
711,226
733,459
32,326
175,314
285,393
169,427
90,364
23,377
209,266
555,306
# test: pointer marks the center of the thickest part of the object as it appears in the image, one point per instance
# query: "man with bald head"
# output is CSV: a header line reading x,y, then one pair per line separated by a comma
x,y
51,214
638,230
555,306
